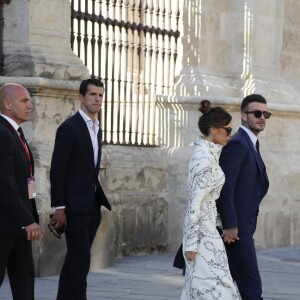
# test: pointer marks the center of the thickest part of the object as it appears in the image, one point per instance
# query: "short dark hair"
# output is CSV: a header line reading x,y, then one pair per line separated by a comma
x,y
216,116
252,98
84,85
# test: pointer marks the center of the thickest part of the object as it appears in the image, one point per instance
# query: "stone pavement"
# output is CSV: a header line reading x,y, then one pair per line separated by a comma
x,y
152,277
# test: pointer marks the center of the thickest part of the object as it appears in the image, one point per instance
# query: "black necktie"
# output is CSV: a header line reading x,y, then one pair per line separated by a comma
x,y
258,152
257,147
22,135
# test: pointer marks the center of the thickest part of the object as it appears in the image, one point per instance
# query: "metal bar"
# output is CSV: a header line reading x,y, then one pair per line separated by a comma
x,y
112,100
85,38
150,86
126,6
132,52
106,78
120,46
139,48
143,75
157,12
72,38
99,43
78,29
93,40
163,52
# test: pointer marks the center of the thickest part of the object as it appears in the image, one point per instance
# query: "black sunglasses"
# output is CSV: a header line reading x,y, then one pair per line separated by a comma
x,y
258,113
228,129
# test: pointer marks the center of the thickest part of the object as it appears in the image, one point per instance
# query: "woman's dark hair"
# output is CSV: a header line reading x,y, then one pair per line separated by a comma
x,y
212,116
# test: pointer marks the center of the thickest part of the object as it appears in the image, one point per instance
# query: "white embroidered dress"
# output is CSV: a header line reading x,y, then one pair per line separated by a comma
x,y
208,276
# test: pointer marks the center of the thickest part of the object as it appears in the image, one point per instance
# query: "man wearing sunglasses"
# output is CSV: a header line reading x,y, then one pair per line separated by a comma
x,y
245,186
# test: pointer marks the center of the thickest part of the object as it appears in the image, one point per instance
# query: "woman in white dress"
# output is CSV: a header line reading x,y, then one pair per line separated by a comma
x,y
207,275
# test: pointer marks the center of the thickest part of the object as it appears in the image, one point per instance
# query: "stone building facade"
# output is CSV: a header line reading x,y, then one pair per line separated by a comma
x,y
227,49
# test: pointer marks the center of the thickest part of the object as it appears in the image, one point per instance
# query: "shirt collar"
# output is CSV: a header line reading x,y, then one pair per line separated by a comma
x,y
251,135
86,118
11,121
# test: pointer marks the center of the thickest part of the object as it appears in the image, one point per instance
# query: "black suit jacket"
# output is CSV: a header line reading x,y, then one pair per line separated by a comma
x,y
16,210
246,183
73,175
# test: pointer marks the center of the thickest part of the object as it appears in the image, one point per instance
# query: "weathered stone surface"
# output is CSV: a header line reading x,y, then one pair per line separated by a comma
x,y
134,180
40,46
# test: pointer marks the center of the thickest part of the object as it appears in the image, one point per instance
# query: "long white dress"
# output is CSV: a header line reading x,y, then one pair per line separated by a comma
x,y
208,276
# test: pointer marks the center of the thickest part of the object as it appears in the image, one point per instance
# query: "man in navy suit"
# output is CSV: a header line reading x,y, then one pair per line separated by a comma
x,y
76,193
18,214
245,186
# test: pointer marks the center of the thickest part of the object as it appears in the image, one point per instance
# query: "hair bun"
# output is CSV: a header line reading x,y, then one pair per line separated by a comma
x,y
205,106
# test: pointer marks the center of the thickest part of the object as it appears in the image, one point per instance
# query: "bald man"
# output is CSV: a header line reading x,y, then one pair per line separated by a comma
x,y
18,214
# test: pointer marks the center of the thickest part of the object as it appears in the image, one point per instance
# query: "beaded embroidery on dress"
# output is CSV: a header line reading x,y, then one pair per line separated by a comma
x,y
208,277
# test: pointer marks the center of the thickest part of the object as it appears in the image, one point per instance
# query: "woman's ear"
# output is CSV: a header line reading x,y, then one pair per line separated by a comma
x,y
212,130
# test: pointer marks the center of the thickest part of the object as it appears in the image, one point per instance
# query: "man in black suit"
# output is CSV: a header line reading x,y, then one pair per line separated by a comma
x,y
18,214
245,186
76,193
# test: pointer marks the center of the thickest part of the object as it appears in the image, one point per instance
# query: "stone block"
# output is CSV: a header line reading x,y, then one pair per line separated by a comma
x,y
295,226
282,229
103,251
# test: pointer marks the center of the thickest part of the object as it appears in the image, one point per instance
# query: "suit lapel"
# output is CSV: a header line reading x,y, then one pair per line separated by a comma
x,y
17,138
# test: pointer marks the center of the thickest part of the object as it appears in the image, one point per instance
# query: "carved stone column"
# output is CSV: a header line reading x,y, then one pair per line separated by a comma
x,y
231,49
37,40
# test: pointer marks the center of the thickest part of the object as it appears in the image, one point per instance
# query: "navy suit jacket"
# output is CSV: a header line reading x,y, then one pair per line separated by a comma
x,y
246,183
73,175
16,209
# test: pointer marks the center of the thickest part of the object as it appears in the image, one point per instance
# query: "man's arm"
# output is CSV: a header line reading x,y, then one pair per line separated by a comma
x,y
11,200
231,161
63,146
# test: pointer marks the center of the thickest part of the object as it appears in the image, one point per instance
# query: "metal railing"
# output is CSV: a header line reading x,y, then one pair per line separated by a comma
x,y
132,47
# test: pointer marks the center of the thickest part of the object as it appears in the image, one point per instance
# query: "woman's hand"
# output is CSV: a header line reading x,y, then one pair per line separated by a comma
x,y
190,255
230,235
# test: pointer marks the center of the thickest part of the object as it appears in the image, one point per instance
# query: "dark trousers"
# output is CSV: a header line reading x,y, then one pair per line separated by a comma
x,y
16,257
244,269
80,233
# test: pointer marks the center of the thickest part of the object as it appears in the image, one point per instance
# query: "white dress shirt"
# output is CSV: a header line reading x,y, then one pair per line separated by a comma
x,y
93,127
